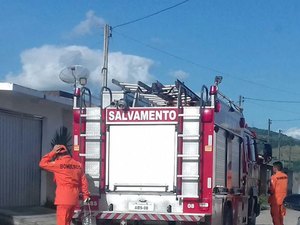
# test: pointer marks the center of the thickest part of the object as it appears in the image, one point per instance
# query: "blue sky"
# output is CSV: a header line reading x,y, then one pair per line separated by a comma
x,y
254,45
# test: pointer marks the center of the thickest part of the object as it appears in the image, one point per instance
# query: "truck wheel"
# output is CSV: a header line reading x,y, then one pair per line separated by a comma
x,y
172,223
252,211
257,208
103,222
227,216
76,222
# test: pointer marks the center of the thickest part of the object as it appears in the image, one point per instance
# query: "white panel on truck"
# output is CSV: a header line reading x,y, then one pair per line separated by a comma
x,y
141,157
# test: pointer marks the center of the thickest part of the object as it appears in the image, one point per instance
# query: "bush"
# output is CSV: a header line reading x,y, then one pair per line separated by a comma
x,y
263,201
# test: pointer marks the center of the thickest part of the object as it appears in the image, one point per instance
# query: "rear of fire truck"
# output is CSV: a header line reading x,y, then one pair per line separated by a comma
x,y
150,154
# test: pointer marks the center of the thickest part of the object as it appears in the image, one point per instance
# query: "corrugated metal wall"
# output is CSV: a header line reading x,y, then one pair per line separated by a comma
x,y
20,152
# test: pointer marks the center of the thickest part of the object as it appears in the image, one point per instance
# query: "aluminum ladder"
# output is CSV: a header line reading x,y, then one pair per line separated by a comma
x,y
92,136
189,156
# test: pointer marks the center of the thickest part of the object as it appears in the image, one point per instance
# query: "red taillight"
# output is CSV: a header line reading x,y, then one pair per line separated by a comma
x,y
213,90
207,115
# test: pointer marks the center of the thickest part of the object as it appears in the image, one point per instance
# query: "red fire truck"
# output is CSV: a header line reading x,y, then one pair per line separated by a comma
x,y
163,154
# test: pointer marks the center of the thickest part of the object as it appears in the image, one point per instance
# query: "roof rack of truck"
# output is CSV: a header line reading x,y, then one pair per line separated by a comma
x,y
161,95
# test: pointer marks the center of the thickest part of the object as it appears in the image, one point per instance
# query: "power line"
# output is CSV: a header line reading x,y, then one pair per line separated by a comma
x,y
187,60
282,109
270,100
287,120
169,54
201,66
150,15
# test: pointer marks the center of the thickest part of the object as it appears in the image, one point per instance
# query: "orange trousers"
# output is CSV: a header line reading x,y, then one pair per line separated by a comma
x,y
277,213
64,214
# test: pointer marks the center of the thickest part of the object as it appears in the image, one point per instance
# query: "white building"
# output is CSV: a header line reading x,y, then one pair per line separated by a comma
x,y
28,122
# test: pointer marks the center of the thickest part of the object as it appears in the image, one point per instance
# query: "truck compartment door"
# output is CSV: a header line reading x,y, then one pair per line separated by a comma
x,y
141,157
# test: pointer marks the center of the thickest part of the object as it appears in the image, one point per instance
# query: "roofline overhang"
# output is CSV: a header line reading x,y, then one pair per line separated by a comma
x,y
18,89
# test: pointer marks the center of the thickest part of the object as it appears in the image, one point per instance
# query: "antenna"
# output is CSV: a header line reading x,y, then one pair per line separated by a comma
x,y
75,74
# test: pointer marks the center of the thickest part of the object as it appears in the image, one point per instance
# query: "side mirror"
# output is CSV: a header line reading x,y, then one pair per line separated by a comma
x,y
267,152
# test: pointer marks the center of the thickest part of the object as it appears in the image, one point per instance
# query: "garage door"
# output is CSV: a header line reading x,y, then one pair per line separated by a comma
x,y
20,152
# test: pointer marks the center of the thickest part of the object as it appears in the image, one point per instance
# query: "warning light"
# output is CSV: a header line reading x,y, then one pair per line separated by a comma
x,y
207,115
76,115
77,92
213,90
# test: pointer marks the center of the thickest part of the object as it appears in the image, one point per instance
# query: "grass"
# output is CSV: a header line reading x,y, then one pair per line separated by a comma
x,y
263,201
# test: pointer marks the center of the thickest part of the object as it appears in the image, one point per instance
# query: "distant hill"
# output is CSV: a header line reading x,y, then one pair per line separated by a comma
x,y
289,147
274,137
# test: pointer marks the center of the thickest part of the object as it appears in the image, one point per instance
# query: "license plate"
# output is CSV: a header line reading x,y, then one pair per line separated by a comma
x,y
137,206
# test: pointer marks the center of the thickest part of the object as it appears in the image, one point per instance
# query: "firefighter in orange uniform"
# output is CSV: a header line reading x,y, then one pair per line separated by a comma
x,y
70,181
278,191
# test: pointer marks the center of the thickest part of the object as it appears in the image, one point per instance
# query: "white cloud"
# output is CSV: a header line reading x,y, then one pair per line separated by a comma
x,y
179,74
41,67
293,132
86,26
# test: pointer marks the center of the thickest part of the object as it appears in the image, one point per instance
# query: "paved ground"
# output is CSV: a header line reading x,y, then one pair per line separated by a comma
x,y
27,216
291,218
45,216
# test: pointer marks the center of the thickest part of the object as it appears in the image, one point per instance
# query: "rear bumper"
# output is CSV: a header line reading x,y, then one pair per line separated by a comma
x,y
136,216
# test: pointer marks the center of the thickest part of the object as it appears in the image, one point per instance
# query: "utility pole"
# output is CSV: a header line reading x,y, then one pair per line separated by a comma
x,y
107,35
269,126
279,138
290,153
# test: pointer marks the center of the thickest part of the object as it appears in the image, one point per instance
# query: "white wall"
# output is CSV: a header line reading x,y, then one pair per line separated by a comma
x,y
54,115
296,183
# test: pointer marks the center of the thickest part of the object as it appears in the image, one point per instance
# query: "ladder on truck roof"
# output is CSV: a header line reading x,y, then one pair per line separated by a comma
x,y
161,95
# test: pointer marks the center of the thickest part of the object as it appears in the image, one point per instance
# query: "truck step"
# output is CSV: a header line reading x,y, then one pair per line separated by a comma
x,y
185,176
91,117
189,135
96,156
90,135
188,156
187,196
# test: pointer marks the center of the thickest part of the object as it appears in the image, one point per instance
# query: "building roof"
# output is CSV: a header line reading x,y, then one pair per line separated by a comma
x,y
52,96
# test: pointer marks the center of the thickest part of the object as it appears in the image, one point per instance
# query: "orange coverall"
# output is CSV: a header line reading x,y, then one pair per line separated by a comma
x,y
70,180
278,190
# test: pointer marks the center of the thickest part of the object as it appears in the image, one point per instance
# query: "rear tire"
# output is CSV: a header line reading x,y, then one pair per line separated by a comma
x,y
172,223
227,216
104,222
76,222
253,211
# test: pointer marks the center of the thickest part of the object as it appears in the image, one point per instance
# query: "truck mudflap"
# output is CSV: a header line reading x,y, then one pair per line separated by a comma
x,y
107,215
